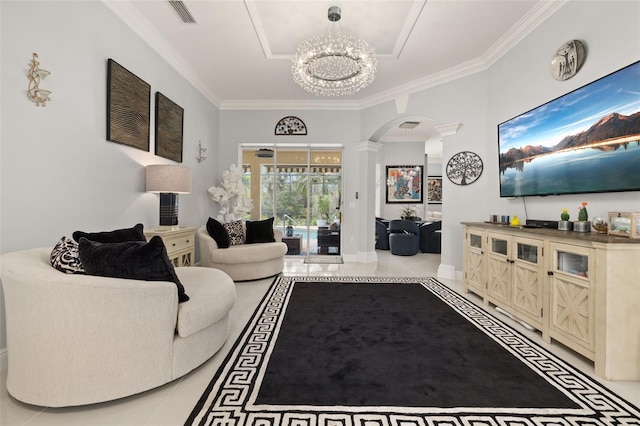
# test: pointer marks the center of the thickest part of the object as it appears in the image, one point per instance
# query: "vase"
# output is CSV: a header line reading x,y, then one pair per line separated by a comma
x,y
582,226
565,225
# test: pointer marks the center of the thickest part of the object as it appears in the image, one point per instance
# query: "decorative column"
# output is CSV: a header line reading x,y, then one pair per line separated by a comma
x,y
365,201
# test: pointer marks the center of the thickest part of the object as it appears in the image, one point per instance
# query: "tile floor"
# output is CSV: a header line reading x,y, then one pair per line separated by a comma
x,y
172,403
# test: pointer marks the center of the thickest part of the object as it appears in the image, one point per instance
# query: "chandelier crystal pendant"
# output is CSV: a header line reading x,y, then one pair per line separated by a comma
x,y
335,64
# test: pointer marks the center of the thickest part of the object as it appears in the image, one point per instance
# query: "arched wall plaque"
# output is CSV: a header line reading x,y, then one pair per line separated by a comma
x,y
291,126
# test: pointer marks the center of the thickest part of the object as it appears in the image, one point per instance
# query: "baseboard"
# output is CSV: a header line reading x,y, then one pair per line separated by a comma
x,y
4,359
367,256
447,271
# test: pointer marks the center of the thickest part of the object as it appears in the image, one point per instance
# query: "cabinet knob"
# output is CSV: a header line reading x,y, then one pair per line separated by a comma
x,y
549,273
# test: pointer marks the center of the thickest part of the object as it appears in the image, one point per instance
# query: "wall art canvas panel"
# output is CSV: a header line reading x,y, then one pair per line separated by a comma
x,y
169,126
128,105
404,184
434,189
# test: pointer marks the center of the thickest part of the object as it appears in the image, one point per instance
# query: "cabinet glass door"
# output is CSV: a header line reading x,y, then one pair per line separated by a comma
x,y
572,263
475,241
527,252
499,246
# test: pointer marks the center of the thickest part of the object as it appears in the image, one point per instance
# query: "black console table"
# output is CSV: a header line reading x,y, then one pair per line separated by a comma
x,y
328,240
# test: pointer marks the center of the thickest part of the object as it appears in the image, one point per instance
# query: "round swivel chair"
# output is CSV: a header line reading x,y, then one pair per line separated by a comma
x,y
404,237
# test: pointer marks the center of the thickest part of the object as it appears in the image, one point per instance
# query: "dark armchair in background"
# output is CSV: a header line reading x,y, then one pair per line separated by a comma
x,y
430,237
404,237
382,234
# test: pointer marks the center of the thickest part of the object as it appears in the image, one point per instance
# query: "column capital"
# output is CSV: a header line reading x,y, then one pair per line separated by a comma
x,y
369,146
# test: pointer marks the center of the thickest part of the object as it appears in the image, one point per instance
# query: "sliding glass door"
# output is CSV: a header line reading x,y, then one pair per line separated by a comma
x,y
301,187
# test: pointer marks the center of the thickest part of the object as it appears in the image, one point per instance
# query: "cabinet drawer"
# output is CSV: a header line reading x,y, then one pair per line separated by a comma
x,y
178,242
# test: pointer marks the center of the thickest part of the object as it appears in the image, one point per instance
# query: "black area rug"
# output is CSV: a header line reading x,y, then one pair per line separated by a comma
x,y
378,351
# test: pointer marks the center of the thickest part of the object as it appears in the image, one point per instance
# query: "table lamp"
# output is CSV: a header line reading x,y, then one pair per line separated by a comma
x,y
168,180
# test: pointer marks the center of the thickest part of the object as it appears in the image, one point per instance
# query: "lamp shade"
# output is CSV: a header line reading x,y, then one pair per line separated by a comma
x,y
168,178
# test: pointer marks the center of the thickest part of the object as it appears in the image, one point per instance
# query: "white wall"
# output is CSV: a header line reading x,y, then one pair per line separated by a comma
x,y
58,172
519,81
522,80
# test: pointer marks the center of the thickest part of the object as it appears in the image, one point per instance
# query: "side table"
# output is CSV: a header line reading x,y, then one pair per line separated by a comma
x,y
180,244
293,244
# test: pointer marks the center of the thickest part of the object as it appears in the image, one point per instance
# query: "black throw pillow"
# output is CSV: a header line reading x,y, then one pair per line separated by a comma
x,y
260,231
119,235
134,260
218,232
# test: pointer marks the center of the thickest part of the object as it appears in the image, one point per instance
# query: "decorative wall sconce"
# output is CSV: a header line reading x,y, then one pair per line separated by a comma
x,y
36,74
201,151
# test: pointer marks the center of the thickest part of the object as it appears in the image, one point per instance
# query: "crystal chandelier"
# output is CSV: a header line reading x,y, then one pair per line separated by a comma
x,y
335,64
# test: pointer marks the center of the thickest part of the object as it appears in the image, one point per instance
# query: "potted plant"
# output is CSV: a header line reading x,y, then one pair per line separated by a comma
x,y
408,213
582,224
564,224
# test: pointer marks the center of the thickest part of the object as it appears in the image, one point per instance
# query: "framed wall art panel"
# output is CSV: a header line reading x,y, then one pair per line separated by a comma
x,y
128,104
434,189
169,126
404,184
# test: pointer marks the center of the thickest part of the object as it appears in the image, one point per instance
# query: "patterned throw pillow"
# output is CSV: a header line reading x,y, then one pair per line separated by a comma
x,y
236,232
65,257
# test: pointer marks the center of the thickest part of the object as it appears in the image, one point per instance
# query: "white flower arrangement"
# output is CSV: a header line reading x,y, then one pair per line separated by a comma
x,y
232,197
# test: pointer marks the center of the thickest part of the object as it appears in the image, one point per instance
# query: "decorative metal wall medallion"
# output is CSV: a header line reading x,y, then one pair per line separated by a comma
x,y
567,60
291,126
464,168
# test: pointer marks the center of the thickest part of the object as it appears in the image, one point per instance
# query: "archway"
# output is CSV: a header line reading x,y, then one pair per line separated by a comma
x,y
408,140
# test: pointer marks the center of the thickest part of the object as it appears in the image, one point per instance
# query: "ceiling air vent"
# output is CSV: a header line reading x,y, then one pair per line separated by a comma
x,y
409,124
182,11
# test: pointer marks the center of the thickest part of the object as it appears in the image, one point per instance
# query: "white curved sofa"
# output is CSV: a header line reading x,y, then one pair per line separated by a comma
x,y
82,339
243,262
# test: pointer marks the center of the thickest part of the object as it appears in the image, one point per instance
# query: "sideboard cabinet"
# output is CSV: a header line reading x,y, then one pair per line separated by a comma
x,y
180,244
579,289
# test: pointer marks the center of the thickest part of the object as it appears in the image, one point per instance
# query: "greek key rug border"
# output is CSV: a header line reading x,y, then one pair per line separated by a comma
x,y
228,400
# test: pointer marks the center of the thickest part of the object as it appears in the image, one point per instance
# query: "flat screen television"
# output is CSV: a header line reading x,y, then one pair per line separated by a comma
x,y
587,140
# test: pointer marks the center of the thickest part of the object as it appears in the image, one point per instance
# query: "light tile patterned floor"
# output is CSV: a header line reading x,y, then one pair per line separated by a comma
x,y
171,403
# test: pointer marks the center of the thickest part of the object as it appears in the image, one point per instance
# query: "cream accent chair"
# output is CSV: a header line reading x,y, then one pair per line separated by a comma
x,y
82,339
243,262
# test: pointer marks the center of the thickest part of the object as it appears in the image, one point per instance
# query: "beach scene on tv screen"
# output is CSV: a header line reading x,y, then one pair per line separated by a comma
x,y
585,141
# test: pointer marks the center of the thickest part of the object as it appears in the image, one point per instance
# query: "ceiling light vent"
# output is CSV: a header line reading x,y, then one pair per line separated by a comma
x,y
409,124
182,11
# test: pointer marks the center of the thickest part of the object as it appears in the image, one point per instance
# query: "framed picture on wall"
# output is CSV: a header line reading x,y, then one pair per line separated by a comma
x,y
434,189
404,184
128,105
169,126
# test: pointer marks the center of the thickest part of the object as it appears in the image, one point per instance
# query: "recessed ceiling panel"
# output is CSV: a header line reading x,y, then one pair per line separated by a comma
x,y
282,25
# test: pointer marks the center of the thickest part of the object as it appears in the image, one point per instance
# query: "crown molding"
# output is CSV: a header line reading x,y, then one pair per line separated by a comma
x,y
521,29
291,105
143,28
134,19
